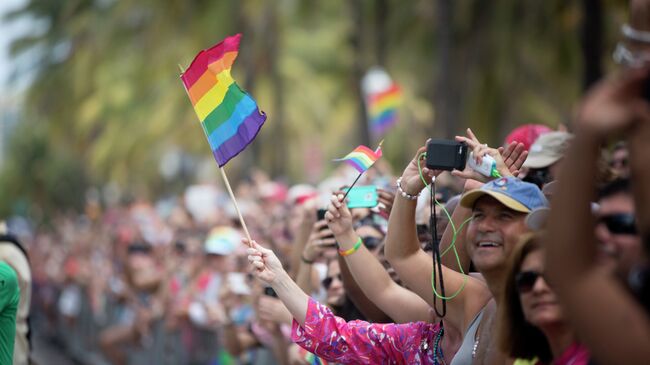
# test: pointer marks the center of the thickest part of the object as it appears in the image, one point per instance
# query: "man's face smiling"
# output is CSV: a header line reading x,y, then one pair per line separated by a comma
x,y
493,233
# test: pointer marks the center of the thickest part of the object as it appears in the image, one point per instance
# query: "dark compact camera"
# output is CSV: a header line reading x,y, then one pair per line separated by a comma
x,y
447,155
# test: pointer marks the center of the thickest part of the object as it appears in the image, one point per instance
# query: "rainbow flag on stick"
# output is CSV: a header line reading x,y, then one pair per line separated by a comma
x,y
383,97
362,158
229,117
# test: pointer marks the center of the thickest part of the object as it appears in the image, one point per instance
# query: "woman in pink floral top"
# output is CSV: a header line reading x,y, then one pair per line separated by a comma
x,y
360,342
317,330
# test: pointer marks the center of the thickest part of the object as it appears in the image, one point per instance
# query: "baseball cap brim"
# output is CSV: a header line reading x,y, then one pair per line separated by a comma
x,y
540,161
472,196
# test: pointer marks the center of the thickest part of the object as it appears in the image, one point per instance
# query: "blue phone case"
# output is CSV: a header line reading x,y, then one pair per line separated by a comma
x,y
363,197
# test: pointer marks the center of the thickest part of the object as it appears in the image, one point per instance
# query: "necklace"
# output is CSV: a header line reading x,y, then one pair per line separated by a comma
x,y
437,349
478,337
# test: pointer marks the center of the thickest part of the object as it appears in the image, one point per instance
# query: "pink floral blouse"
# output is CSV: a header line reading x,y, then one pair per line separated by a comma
x,y
359,342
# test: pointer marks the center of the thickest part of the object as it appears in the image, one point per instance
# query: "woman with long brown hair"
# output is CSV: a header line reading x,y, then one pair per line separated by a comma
x,y
533,327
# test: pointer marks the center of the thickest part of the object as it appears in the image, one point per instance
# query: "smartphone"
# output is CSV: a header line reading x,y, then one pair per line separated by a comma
x,y
447,155
270,292
362,197
320,215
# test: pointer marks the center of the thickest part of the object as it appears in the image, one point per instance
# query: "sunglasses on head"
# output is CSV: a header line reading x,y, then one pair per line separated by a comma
x,y
327,282
622,223
525,281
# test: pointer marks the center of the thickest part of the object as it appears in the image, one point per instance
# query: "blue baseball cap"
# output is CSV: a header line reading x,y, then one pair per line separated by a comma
x,y
513,193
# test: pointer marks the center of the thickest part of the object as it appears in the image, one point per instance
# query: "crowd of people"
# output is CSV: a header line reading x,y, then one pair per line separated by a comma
x,y
542,261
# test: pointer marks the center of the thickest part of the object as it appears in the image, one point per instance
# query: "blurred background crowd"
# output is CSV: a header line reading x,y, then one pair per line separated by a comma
x,y
134,246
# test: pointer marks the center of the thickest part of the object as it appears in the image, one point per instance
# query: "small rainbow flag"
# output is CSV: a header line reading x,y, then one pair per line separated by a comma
x,y
362,158
229,116
382,109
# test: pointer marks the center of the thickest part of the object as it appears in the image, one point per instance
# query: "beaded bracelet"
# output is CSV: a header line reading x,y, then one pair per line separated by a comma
x,y
403,193
351,250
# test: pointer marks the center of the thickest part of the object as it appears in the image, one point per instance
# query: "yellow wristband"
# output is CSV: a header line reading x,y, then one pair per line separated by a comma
x,y
351,250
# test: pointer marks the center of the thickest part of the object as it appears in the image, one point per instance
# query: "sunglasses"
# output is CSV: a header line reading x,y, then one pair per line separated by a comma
x,y
371,242
525,281
622,223
327,282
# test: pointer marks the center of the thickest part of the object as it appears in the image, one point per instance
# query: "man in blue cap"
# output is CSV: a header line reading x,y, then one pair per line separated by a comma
x,y
499,209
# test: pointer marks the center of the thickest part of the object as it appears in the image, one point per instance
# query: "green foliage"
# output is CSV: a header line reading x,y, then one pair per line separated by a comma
x,y
107,101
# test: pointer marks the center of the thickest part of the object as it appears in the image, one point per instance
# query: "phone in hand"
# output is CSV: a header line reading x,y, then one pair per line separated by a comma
x,y
447,155
362,197
320,215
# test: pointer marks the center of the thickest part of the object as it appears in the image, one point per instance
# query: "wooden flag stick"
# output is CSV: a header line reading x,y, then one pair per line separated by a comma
x,y
234,201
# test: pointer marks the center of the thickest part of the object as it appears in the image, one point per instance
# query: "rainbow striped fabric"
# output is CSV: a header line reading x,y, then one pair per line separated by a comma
x,y
229,116
362,158
382,109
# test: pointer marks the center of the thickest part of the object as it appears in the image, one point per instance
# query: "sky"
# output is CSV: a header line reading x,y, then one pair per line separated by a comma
x,y
8,32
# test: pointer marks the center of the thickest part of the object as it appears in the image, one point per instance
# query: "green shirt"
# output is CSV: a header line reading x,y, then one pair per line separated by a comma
x,y
9,298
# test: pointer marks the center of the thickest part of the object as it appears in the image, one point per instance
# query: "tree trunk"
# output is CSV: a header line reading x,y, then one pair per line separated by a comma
x,y
444,88
278,131
380,32
356,9
591,41
247,61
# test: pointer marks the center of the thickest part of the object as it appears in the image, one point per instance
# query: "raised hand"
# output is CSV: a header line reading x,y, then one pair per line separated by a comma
x,y
266,265
338,216
386,199
614,105
319,240
514,155
411,181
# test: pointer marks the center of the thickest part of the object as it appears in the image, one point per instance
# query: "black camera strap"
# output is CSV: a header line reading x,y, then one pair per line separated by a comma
x,y
437,263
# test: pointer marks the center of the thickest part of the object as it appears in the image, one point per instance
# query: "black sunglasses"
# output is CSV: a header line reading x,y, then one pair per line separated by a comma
x,y
371,242
327,282
525,280
622,223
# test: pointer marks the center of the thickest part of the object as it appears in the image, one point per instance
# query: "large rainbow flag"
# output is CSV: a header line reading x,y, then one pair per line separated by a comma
x,y
229,117
382,109
362,158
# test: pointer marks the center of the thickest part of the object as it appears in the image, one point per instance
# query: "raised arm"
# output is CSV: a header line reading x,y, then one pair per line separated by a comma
x,y
414,266
267,267
308,218
319,331
399,303
585,290
320,238
365,305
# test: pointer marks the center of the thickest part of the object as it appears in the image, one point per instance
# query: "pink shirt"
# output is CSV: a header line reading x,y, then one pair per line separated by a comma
x,y
359,342
576,354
